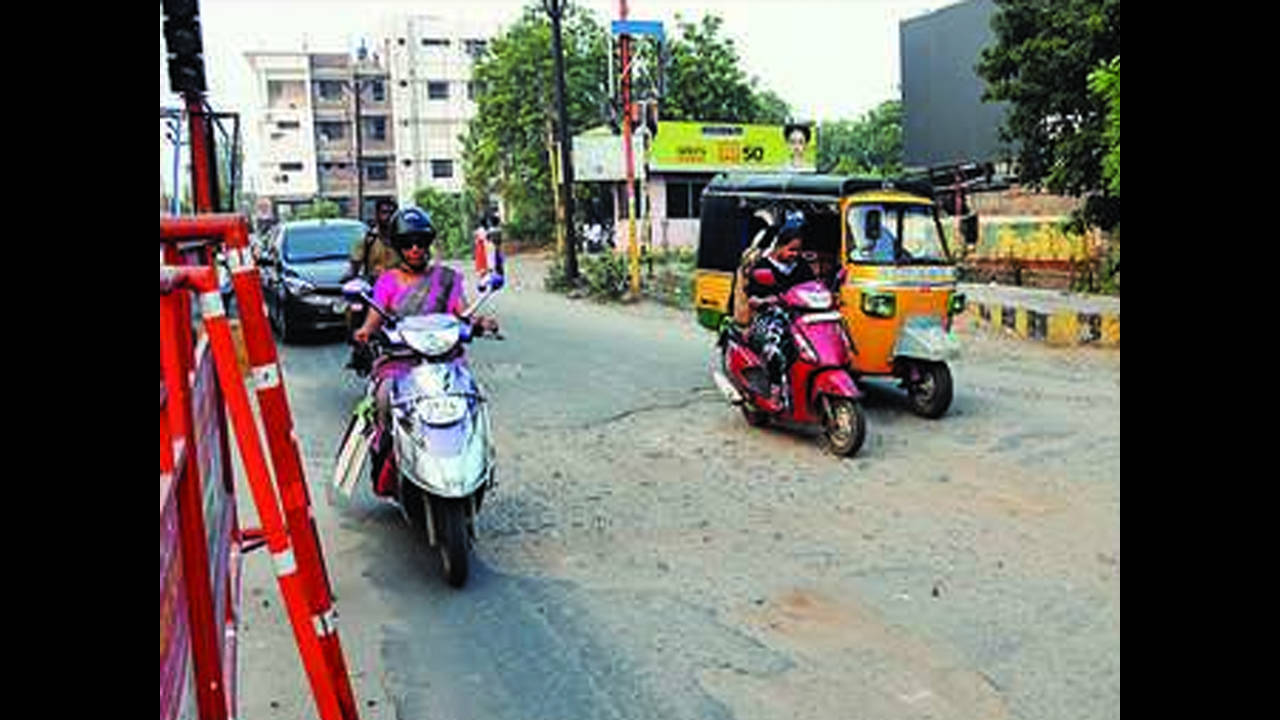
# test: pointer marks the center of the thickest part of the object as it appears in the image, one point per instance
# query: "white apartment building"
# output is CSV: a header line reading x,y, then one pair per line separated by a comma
x,y
285,170
430,60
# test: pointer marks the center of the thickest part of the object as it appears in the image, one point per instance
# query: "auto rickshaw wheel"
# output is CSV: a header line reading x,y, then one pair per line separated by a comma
x,y
845,426
931,395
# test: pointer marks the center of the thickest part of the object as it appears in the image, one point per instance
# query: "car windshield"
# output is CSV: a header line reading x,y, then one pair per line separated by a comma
x,y
310,243
894,233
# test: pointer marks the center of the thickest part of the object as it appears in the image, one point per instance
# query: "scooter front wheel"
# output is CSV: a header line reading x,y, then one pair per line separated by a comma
x,y
451,535
845,426
754,417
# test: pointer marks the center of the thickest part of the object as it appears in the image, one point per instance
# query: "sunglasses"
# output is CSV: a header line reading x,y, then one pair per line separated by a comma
x,y
406,242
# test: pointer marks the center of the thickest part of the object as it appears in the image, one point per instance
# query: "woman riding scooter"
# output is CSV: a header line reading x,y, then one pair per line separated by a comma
x,y
770,334
413,287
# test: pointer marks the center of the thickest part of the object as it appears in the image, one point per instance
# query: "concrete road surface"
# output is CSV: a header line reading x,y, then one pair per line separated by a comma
x,y
648,555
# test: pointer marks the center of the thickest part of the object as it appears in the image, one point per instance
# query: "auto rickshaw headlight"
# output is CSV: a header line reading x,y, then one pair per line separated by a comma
x,y
957,304
881,305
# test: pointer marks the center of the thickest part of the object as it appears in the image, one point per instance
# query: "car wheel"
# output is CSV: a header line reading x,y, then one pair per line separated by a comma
x,y
287,333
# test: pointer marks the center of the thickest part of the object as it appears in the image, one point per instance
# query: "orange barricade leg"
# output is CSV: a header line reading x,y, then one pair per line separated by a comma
x,y
273,401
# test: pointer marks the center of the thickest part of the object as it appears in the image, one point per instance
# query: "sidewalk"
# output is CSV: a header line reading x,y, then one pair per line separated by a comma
x,y
1054,317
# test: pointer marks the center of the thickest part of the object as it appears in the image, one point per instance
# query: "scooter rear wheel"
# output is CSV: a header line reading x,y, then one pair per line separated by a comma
x,y
451,534
845,426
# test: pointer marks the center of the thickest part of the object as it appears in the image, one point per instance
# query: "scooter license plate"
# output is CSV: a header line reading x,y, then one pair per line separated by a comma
x,y
442,410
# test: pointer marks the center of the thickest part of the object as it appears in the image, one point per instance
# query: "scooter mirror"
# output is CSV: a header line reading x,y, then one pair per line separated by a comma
x,y
356,289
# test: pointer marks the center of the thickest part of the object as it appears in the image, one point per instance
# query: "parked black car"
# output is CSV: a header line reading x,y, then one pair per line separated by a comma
x,y
302,270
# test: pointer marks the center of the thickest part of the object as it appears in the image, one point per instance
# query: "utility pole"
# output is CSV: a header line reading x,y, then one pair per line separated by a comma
x,y
624,43
555,9
174,135
626,29
355,84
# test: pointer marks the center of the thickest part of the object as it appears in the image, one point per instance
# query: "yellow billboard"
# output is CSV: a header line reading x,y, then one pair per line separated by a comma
x,y
727,147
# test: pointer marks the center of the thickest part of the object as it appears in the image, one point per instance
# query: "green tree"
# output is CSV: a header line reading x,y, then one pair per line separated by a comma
x,y
450,213
319,208
704,80
506,148
1040,63
871,144
1105,81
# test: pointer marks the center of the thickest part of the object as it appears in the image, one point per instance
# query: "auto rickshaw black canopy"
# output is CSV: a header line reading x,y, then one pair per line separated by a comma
x,y
811,187
727,221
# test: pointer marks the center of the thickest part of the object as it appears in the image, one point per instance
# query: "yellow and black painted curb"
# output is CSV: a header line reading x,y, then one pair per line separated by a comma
x,y
1058,328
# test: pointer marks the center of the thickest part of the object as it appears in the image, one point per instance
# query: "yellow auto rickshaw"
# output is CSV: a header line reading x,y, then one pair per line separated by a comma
x,y
878,242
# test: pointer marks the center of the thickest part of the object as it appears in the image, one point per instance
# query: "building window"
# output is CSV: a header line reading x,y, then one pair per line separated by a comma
x,y
435,42
400,40
684,198
285,93
375,128
377,171
379,91
408,162
441,168
471,90
288,125
476,48
331,131
330,89
291,166
438,90
404,83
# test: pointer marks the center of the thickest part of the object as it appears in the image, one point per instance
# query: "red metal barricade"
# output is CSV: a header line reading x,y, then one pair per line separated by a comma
x,y
201,382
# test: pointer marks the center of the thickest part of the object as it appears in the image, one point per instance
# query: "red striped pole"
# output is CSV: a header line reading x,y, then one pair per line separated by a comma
x,y
174,353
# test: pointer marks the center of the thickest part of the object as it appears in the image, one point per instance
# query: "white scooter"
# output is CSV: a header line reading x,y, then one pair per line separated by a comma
x,y
437,459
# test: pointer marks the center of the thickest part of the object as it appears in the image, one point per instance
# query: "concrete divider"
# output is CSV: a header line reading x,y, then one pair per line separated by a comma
x,y
1053,317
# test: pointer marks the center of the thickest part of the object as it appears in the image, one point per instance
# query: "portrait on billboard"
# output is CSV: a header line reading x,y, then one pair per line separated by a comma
x,y
802,155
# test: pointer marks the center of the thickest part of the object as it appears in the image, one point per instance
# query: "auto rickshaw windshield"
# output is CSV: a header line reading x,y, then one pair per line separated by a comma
x,y
894,233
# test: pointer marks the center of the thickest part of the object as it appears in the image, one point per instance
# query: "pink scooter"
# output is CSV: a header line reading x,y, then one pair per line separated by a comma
x,y
819,386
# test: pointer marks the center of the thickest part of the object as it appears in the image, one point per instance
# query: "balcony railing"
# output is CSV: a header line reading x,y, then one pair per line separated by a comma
x,y
376,186
374,147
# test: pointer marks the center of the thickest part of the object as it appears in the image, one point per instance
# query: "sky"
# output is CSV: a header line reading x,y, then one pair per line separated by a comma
x,y
829,59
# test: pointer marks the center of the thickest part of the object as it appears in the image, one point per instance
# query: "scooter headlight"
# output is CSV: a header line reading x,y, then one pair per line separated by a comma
x,y
431,335
881,305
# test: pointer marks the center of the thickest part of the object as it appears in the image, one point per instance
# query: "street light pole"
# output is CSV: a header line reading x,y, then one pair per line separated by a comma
x,y
555,9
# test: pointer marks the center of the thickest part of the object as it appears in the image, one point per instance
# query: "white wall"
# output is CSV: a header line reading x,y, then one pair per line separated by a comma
x,y
276,145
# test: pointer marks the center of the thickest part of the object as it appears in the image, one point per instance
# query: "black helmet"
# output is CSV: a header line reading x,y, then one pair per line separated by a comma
x,y
412,222
793,226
